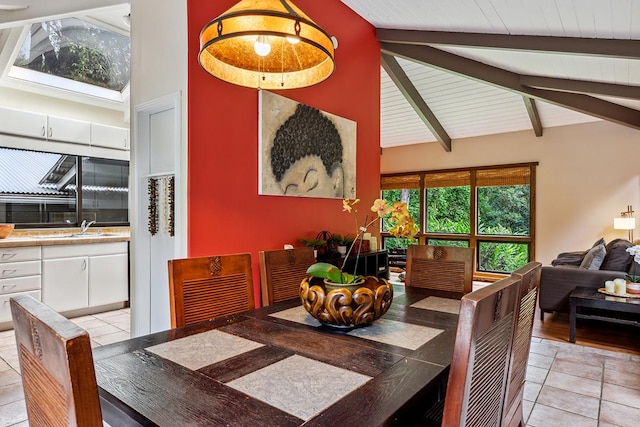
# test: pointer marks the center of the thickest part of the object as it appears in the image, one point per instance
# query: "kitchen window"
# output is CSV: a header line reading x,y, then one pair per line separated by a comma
x,y
40,189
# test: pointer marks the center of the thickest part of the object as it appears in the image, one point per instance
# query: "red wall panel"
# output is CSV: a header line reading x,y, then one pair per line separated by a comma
x,y
225,212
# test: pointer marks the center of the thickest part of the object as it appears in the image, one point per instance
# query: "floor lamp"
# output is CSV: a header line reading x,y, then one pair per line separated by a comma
x,y
626,222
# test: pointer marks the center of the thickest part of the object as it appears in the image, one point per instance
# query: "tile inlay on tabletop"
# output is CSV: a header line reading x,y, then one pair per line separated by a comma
x,y
391,332
299,386
446,305
200,350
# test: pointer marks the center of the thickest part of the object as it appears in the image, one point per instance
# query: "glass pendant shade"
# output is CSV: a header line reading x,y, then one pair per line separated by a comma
x,y
301,53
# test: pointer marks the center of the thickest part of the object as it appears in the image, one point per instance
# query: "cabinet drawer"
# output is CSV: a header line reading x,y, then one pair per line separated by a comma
x,y
27,253
19,269
5,305
20,284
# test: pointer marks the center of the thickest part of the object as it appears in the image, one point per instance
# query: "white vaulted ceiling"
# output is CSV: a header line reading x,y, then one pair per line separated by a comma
x,y
471,67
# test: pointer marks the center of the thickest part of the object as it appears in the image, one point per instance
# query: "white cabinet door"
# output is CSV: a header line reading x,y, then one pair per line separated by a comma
x,y
68,130
109,136
5,306
108,279
23,123
65,283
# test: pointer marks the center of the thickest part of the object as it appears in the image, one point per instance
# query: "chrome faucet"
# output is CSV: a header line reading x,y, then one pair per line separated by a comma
x,y
85,226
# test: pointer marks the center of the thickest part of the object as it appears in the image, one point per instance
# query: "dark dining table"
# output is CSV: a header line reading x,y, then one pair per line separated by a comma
x,y
278,366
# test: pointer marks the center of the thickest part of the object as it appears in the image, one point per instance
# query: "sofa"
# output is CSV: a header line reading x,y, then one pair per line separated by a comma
x,y
588,268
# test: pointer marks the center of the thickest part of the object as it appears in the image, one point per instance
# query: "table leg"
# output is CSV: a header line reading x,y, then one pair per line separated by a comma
x,y
572,321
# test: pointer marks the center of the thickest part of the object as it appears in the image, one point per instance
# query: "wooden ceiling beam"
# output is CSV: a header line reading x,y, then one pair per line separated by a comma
x,y
532,111
581,86
617,48
511,81
411,94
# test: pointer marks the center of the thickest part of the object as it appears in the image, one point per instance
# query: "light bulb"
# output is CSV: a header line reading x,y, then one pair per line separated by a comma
x,y
293,39
262,46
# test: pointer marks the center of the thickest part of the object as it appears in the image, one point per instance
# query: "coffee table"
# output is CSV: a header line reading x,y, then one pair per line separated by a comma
x,y
601,306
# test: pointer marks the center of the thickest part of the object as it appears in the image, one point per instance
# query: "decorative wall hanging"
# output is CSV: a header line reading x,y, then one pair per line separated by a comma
x,y
304,151
152,188
162,205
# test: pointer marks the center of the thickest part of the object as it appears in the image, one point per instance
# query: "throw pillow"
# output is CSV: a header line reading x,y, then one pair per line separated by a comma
x,y
617,258
594,258
600,241
569,258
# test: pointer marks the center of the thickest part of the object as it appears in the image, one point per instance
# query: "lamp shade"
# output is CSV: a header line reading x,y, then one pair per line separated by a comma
x,y
267,44
624,223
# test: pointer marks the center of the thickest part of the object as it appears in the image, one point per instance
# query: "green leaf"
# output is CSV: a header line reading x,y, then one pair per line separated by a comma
x,y
325,270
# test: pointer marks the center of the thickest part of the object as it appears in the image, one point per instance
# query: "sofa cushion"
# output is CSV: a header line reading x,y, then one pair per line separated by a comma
x,y
617,258
594,258
576,257
569,258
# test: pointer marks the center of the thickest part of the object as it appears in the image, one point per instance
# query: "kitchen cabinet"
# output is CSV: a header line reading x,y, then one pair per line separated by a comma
x,y
109,136
65,283
85,275
23,123
62,129
108,279
68,130
20,273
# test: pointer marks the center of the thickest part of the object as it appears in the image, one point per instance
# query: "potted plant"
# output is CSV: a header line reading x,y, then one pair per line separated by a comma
x,y
314,243
633,280
344,300
342,242
402,225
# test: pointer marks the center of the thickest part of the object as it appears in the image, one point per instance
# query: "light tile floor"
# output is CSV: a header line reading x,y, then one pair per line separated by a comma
x,y
568,385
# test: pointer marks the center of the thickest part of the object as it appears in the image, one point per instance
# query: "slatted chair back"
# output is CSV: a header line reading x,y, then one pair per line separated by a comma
x,y
281,272
525,311
445,268
478,374
56,362
204,288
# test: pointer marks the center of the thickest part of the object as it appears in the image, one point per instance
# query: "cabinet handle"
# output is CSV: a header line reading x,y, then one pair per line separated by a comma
x,y
42,132
7,287
8,272
84,265
6,255
50,132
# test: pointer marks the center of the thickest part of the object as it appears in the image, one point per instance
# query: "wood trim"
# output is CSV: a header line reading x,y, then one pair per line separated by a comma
x,y
511,81
415,99
616,48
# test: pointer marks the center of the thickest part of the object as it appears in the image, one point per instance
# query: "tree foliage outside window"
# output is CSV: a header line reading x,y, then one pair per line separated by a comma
x,y
77,50
504,210
502,200
448,210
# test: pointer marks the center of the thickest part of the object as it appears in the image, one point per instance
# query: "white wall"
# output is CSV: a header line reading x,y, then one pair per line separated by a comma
x,y
587,175
158,71
22,100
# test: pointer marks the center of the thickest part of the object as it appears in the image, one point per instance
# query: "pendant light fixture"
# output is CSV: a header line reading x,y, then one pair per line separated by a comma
x,y
266,44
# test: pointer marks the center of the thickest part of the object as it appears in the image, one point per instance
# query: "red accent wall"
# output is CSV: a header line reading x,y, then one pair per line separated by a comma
x,y
225,213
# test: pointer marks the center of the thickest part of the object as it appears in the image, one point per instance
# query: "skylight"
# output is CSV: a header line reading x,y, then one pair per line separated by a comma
x,y
75,55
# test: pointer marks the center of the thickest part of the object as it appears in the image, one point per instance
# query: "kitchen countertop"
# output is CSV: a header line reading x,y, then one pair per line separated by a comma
x,y
65,236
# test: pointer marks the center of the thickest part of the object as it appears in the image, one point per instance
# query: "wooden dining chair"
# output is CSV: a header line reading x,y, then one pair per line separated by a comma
x,y
281,272
204,288
445,268
529,275
56,362
475,389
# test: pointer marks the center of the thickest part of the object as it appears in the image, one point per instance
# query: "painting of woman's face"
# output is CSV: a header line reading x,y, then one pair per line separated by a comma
x,y
304,151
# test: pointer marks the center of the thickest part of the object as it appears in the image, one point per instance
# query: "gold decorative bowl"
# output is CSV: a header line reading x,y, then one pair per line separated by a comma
x,y
6,230
346,306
